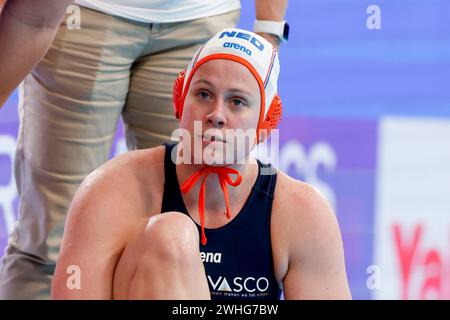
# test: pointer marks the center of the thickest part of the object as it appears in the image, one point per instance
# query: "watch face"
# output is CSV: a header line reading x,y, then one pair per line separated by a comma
x,y
286,32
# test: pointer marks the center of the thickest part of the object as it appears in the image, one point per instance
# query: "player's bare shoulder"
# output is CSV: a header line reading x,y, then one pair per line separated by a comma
x,y
290,192
134,180
300,207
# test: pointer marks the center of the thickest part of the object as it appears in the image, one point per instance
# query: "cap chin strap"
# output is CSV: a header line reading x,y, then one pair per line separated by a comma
x,y
223,174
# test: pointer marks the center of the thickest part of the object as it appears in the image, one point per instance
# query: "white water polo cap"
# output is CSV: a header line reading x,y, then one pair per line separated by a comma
x,y
252,51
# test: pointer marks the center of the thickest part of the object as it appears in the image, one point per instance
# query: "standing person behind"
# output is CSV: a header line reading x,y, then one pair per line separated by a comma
x,y
27,29
122,62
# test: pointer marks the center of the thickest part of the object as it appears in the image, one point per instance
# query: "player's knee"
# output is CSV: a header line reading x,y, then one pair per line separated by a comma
x,y
173,237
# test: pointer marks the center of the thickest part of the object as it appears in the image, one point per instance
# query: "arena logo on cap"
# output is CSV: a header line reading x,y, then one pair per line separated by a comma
x,y
244,36
237,47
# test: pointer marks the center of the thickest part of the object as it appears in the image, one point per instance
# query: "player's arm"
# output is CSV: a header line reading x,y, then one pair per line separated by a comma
x,y
316,256
97,229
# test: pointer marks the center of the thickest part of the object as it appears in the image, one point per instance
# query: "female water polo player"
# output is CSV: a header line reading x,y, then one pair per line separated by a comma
x,y
177,222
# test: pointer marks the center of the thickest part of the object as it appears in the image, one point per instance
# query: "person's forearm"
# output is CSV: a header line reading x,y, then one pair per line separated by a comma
x,y
273,10
270,9
27,29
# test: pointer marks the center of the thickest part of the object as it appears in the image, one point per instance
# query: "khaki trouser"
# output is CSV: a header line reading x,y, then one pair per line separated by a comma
x,y
70,105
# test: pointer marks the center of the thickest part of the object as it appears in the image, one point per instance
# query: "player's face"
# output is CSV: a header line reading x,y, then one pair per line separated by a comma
x,y
223,98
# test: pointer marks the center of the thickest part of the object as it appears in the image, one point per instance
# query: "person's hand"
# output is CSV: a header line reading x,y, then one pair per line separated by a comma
x,y
274,40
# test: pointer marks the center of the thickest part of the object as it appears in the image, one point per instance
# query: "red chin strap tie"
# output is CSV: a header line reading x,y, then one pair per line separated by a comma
x,y
224,178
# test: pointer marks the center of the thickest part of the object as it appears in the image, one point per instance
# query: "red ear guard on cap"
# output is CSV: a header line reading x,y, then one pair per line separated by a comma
x,y
177,94
273,116
270,121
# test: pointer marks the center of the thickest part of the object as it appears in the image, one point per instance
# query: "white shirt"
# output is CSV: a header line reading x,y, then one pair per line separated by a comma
x,y
160,11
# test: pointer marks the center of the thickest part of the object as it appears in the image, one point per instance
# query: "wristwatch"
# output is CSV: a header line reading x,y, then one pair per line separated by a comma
x,y
277,28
